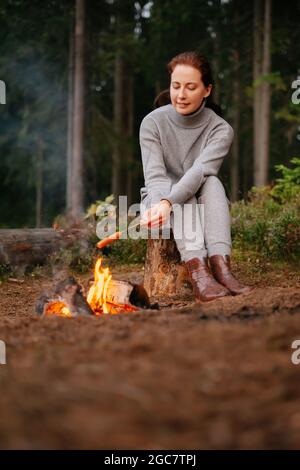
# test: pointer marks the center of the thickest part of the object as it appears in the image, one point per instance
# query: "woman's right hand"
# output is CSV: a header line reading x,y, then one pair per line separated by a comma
x,y
156,215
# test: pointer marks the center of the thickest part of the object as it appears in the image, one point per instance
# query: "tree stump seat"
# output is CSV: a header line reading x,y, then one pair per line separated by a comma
x,y
164,272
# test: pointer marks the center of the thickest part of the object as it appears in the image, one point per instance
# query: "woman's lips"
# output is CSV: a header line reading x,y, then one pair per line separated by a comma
x,y
182,104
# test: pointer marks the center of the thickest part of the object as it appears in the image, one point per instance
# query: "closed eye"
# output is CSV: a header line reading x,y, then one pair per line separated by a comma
x,y
176,87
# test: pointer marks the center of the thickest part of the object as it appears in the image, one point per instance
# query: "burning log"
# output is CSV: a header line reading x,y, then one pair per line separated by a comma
x,y
105,295
112,296
123,292
66,299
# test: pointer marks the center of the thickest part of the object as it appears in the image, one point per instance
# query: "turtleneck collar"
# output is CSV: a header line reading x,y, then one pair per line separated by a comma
x,y
187,120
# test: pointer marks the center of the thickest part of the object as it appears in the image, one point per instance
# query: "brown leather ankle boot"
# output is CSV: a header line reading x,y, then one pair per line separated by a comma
x,y
220,267
205,287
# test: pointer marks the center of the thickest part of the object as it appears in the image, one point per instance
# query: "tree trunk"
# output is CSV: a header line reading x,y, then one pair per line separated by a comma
x,y
217,52
164,274
116,167
257,69
128,122
234,168
39,184
122,168
70,119
262,92
266,98
78,114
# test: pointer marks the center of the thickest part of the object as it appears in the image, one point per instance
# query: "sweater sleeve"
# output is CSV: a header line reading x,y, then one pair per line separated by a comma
x,y
208,163
157,183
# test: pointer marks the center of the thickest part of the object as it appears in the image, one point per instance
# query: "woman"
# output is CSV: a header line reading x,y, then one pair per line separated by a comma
x,y
183,145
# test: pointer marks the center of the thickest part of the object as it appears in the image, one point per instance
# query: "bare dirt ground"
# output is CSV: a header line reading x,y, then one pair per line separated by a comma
x,y
215,375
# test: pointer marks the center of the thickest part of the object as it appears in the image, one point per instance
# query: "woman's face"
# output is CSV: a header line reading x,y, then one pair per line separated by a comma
x,y
187,89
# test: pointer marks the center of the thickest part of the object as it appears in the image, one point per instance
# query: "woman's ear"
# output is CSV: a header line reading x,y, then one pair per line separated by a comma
x,y
208,91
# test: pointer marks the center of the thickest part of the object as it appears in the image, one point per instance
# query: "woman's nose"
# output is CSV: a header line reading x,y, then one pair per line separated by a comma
x,y
181,93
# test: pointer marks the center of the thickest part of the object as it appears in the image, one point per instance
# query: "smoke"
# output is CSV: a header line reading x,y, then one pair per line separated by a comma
x,y
34,126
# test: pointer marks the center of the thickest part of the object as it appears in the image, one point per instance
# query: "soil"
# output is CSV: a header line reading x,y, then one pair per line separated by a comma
x,y
195,376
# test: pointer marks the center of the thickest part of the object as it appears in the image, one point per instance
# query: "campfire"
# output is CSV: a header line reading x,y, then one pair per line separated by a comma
x,y
104,296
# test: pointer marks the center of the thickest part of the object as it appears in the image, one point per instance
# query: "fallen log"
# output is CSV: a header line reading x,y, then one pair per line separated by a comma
x,y
30,247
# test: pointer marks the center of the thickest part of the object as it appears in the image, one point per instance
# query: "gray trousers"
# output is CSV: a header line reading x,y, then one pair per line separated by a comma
x,y
202,225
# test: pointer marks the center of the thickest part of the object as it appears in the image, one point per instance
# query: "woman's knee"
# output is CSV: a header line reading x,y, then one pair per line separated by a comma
x,y
214,185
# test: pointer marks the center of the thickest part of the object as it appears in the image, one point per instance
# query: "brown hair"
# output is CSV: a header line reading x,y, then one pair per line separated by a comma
x,y
199,62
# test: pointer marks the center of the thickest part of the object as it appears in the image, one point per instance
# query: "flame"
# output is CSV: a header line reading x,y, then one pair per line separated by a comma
x,y
98,291
97,295
58,308
96,298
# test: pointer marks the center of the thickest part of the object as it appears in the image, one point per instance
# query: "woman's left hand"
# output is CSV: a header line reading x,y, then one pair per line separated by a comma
x,y
157,215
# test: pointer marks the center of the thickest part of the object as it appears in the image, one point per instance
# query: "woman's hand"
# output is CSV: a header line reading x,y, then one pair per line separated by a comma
x,y
157,215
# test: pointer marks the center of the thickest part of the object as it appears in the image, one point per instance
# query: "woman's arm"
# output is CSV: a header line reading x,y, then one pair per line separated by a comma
x,y
208,163
157,182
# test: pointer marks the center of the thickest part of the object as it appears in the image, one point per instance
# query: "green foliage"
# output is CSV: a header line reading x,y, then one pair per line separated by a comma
x,y
80,257
289,113
5,272
268,225
288,186
283,236
274,79
98,207
128,251
123,251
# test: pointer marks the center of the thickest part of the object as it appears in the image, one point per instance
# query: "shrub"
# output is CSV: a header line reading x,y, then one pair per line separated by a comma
x,y
123,251
269,221
288,186
79,257
5,272
128,251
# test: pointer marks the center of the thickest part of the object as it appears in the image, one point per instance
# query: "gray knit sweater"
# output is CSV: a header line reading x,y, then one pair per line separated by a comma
x,y
179,152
